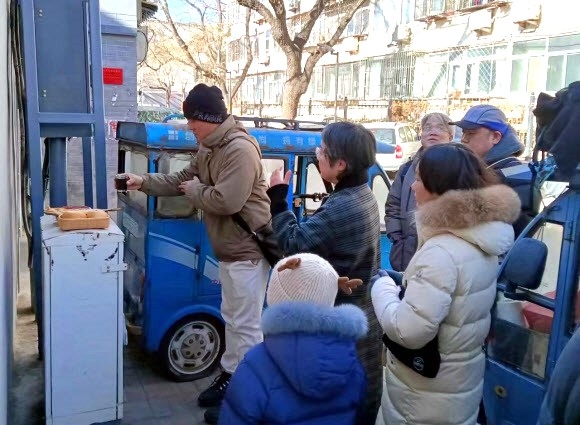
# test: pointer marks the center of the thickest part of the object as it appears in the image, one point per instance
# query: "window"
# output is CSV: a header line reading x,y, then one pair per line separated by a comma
x,y
236,50
402,134
359,24
314,184
486,78
522,329
527,74
348,79
329,76
564,43
272,164
411,134
385,135
424,8
433,71
136,163
174,206
533,47
381,191
407,11
267,42
256,47
373,78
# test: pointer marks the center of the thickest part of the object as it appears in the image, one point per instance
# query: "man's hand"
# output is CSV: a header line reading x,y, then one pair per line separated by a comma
x,y
134,182
188,187
276,177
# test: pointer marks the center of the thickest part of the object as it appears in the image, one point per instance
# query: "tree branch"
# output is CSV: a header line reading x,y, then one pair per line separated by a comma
x,y
199,11
302,37
183,45
315,57
278,26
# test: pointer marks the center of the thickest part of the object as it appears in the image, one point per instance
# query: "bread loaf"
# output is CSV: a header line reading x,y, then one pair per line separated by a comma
x,y
97,214
74,214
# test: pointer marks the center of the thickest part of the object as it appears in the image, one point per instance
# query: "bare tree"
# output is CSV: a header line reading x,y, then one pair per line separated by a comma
x,y
298,77
202,44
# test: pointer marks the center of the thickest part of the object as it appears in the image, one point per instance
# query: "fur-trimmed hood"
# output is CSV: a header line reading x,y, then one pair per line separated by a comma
x,y
314,346
482,217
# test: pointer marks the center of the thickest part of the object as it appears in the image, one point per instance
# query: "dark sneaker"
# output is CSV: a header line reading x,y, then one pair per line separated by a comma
x,y
212,415
216,391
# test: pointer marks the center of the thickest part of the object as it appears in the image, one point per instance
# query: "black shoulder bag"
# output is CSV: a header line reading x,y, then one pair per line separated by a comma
x,y
265,239
425,361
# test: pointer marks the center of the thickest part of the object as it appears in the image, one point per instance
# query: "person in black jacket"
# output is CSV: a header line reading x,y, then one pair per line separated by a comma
x,y
561,404
488,134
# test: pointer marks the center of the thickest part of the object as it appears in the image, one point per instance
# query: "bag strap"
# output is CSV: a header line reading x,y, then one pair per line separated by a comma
x,y
405,169
501,162
242,223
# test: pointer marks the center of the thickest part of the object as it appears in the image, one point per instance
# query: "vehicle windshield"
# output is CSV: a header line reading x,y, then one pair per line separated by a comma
x,y
386,135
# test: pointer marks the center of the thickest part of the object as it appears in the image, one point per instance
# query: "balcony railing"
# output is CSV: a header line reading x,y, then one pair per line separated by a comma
x,y
425,9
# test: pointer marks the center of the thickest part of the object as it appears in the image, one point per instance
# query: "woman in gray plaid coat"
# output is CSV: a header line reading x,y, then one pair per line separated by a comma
x,y
345,231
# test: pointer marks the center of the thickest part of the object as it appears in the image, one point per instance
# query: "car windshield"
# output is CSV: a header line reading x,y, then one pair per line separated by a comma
x,y
386,135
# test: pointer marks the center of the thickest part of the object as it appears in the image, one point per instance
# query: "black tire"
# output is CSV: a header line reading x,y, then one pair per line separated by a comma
x,y
391,175
192,348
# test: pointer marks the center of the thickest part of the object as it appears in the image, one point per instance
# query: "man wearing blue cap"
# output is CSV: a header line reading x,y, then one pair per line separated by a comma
x,y
488,134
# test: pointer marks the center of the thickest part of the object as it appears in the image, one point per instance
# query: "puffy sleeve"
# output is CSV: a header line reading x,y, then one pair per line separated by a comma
x,y
245,400
414,321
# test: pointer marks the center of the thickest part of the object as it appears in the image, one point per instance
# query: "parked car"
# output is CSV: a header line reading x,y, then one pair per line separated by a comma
x,y
400,135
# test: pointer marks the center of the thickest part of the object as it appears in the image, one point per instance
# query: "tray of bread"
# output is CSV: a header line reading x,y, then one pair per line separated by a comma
x,y
79,218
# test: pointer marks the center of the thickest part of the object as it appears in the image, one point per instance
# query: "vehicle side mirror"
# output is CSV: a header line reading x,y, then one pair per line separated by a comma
x,y
524,267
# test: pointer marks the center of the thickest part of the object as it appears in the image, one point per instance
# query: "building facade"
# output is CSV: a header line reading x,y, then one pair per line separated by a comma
x,y
401,58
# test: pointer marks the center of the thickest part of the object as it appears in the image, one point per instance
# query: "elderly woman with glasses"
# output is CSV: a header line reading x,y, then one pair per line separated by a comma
x,y
345,231
400,207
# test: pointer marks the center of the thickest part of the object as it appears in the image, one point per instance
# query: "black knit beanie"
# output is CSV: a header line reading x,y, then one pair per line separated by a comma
x,y
204,103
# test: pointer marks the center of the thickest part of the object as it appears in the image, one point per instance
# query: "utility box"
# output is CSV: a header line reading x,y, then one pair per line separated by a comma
x,y
83,324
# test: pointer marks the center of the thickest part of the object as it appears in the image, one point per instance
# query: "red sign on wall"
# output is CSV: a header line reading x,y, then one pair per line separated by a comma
x,y
113,76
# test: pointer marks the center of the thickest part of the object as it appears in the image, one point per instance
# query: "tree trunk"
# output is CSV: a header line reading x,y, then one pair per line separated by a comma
x,y
294,87
168,97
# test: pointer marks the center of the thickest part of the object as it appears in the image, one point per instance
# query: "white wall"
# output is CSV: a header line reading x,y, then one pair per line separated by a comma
x,y
8,221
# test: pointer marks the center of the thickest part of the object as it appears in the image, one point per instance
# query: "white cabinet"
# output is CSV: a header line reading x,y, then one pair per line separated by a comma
x,y
83,324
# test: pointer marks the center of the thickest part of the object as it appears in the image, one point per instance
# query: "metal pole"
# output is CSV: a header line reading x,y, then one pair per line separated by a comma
x,y
335,86
230,90
57,171
530,129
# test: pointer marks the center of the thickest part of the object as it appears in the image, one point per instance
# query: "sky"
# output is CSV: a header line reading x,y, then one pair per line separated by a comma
x,y
180,11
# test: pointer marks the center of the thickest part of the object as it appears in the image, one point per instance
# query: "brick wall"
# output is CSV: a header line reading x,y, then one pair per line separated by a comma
x,y
119,50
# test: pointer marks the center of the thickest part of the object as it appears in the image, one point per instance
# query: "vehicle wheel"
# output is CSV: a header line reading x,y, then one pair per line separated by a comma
x,y
192,348
391,175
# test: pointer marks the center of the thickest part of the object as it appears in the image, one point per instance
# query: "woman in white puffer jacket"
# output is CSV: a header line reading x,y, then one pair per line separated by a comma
x,y
464,223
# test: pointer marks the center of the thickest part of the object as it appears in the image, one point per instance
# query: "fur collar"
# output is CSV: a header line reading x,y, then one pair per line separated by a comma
x,y
346,320
462,209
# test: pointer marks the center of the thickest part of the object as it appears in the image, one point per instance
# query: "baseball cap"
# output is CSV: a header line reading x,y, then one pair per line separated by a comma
x,y
487,116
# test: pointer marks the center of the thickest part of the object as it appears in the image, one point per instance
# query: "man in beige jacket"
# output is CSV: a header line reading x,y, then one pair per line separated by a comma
x,y
226,177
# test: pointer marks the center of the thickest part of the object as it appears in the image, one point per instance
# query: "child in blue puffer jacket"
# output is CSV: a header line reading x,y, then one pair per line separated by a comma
x,y
306,371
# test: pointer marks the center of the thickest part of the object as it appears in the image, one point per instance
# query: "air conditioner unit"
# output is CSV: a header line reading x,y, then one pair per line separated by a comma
x,y
264,59
481,22
402,34
350,45
294,6
527,14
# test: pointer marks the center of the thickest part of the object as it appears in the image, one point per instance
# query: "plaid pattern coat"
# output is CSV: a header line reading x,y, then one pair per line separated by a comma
x,y
345,231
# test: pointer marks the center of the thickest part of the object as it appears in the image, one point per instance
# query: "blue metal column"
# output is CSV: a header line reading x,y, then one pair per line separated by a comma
x,y
96,74
88,171
34,158
53,113
57,171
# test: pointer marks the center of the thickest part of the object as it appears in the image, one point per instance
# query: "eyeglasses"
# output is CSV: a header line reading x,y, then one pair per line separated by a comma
x,y
439,128
319,152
